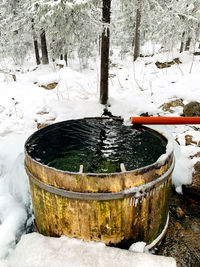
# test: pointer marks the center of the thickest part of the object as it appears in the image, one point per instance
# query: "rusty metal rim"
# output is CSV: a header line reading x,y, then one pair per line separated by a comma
x,y
157,164
136,192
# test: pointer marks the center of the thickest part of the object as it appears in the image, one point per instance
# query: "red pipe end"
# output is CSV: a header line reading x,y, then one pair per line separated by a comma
x,y
165,120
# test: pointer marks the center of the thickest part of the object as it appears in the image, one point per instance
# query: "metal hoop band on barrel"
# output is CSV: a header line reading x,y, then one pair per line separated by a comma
x,y
132,192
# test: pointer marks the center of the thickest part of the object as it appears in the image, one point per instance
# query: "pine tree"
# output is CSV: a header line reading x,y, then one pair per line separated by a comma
x,y
15,31
69,25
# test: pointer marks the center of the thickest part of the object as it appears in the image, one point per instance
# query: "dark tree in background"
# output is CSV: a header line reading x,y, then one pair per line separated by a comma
x,y
182,43
187,44
105,42
45,59
37,56
35,42
137,31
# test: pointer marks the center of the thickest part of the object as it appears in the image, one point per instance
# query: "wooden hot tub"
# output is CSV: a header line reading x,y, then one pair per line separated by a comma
x,y
100,200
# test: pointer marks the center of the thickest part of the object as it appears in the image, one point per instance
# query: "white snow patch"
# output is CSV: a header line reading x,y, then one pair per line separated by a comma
x,y
14,191
17,181
138,247
11,145
48,78
12,217
37,250
182,173
149,49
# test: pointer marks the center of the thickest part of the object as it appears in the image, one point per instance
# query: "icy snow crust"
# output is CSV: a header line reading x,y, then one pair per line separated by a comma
x,y
36,250
24,105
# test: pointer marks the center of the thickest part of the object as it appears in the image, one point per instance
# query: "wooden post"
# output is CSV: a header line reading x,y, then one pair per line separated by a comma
x,y
105,43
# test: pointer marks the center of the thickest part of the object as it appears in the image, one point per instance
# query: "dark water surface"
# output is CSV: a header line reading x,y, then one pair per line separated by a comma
x,y
100,145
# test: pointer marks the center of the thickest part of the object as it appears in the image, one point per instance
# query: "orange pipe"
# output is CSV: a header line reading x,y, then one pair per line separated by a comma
x,y
165,120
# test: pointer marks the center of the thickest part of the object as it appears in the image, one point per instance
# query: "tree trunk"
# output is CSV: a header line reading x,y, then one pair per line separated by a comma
x,y
105,42
35,42
182,43
137,31
45,59
198,34
37,55
99,44
187,45
66,59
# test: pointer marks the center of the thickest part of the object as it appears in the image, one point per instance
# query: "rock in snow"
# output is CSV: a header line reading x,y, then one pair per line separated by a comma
x,y
192,109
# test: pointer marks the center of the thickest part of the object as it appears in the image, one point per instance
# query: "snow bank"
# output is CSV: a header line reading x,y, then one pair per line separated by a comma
x,y
182,173
13,176
48,78
14,192
12,218
149,48
37,250
17,181
71,84
11,145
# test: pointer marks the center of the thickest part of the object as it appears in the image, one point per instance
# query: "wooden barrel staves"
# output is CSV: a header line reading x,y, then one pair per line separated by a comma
x,y
117,208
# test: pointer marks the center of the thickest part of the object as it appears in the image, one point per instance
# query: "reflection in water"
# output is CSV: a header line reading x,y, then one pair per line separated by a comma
x,y
100,145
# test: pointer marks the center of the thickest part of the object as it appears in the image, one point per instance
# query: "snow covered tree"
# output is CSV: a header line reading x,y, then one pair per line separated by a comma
x,y
160,22
73,27
175,20
189,13
70,25
15,31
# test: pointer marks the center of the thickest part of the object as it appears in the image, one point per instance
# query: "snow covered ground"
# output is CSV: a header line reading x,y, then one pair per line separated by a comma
x,y
40,251
24,105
